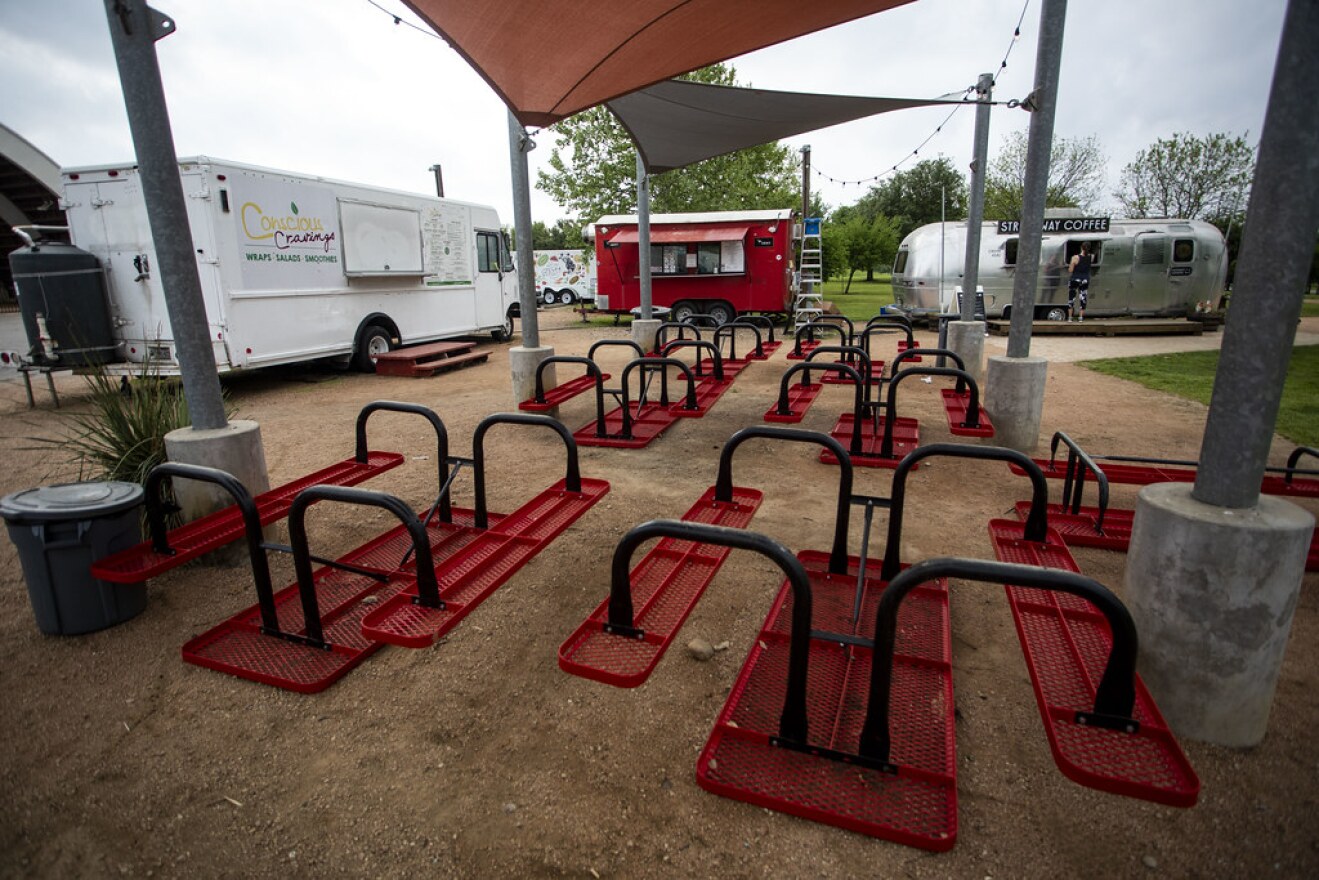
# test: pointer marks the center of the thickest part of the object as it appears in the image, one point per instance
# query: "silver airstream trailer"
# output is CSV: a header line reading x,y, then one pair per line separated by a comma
x,y
1157,268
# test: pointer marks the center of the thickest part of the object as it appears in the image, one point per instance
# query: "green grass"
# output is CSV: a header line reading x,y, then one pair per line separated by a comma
x,y
864,300
1310,307
1191,375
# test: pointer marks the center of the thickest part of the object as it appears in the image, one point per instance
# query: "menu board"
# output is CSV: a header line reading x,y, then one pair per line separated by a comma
x,y
444,231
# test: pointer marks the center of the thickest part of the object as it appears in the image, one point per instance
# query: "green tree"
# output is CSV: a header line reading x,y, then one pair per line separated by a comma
x,y
1188,177
593,169
867,245
912,198
1076,173
564,235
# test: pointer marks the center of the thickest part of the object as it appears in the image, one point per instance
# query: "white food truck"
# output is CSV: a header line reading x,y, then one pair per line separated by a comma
x,y
565,276
295,267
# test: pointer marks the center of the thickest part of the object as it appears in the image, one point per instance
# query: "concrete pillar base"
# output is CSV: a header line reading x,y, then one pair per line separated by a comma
x,y
1212,591
1014,396
644,333
967,340
523,363
235,449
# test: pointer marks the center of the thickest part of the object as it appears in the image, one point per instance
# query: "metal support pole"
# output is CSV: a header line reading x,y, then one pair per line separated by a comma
x,y
643,236
518,147
807,287
976,207
1039,145
439,180
134,29
1276,248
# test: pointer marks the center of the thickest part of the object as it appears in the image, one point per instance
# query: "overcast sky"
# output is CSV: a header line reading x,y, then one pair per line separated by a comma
x,y
335,88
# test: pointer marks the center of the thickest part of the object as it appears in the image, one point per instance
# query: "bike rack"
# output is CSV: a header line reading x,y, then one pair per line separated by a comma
x,y
729,330
167,550
796,398
963,420
874,751
769,344
803,346
623,428
623,640
661,333
416,617
887,438
308,636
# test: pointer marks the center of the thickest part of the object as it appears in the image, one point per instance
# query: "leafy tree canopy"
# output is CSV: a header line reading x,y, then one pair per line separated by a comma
x,y
593,169
929,189
1189,177
1076,173
564,235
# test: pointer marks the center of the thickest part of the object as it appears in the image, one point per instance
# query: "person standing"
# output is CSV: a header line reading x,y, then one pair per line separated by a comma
x,y
1078,287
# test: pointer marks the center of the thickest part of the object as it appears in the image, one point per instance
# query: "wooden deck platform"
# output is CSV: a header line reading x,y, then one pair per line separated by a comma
x,y
1109,327
427,360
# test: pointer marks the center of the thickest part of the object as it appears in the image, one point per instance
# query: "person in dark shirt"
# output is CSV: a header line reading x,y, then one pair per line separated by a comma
x,y
1079,285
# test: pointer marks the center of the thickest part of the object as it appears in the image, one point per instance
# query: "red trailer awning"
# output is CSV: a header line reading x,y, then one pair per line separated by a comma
x,y
696,232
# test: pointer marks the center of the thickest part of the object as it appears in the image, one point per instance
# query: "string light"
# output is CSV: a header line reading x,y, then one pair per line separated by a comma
x,y
1016,35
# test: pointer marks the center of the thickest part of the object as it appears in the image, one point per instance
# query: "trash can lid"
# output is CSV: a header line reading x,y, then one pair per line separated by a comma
x,y
70,501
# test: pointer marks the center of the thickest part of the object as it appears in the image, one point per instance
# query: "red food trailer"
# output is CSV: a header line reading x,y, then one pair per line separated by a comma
x,y
720,263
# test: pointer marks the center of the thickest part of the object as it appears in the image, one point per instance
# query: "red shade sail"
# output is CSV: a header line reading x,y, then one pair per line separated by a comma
x,y
549,59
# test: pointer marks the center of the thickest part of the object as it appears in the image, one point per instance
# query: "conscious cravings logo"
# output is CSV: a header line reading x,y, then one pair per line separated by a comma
x,y
286,231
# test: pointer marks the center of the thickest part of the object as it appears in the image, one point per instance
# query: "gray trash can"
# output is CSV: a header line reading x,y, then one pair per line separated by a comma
x,y
59,532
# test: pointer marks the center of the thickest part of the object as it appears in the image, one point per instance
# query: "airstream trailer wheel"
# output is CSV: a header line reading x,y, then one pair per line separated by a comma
x,y
681,311
722,312
1055,313
504,333
375,341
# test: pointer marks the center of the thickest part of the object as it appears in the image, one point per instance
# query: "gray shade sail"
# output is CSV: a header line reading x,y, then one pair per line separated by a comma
x,y
677,123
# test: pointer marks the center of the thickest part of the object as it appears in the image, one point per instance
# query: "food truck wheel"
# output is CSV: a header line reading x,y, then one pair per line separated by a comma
x,y
548,297
567,297
504,333
375,341
722,312
681,311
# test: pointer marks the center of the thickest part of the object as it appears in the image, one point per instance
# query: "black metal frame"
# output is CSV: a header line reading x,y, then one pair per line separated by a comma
x,y
1295,457
592,369
1037,523
441,443
730,330
572,477
716,358
859,392
808,331
1078,464
1115,696
681,326
792,721
758,320
890,401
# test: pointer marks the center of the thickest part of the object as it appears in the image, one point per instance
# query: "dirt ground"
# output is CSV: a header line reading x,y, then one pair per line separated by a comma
x,y
479,757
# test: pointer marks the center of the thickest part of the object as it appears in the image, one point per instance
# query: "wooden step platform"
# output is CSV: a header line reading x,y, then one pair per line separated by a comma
x,y
1107,327
427,360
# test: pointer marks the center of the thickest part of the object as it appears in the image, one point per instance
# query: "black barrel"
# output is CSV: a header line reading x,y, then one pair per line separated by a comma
x,y
61,288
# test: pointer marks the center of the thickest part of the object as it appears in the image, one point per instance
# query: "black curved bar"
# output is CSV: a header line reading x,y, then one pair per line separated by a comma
x,y
1115,697
427,589
572,479
1078,463
590,352
700,320
792,721
441,441
859,390
850,353
840,320
901,320
863,338
723,487
759,320
700,345
1295,457
256,553
730,330
912,353
890,404
680,326
1036,521
592,369
651,363
809,331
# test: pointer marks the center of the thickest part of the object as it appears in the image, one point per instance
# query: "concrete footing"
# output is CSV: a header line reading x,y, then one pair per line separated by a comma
x,y
523,362
644,332
235,449
966,339
1212,591
1014,396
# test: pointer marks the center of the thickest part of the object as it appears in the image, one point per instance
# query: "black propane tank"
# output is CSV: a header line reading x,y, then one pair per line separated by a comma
x,y
62,297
